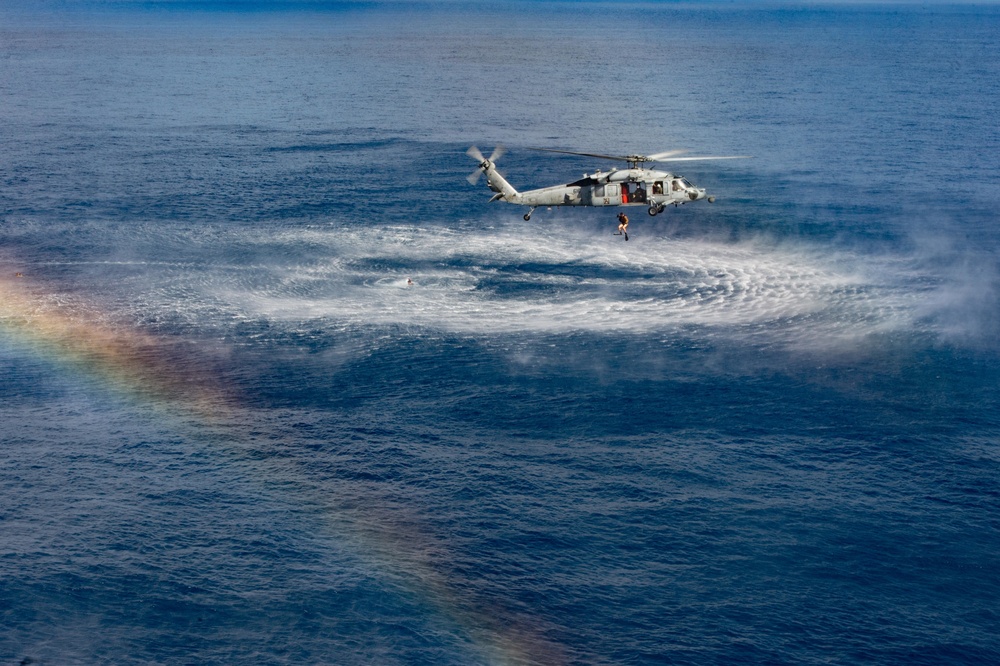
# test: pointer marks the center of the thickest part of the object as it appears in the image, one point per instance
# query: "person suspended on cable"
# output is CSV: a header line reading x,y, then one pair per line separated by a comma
x,y
622,225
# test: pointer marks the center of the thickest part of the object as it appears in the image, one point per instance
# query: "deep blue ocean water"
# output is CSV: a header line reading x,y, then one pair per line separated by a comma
x,y
765,430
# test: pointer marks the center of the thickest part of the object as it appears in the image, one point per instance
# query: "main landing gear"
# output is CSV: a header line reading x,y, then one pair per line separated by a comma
x,y
654,209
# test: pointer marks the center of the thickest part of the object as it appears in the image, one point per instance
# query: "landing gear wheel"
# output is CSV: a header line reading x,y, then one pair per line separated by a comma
x,y
653,210
527,217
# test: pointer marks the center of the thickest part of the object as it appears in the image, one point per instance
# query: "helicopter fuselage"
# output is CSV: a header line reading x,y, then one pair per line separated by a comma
x,y
617,187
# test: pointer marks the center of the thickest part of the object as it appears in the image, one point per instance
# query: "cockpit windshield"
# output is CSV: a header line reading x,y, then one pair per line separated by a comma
x,y
682,184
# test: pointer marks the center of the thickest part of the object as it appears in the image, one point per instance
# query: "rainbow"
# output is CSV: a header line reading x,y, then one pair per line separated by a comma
x,y
76,335
63,329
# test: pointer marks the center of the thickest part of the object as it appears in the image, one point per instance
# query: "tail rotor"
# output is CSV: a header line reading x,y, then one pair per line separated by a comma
x,y
484,163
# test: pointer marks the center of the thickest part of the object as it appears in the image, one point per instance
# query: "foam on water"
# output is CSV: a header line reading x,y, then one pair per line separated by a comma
x,y
511,280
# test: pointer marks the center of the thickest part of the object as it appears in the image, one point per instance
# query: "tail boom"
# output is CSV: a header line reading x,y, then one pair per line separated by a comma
x,y
505,191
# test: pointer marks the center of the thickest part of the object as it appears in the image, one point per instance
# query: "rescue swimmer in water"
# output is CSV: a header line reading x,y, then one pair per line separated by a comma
x,y
634,186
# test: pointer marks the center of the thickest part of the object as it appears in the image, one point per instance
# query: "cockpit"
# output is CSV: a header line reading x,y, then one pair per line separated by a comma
x,y
681,184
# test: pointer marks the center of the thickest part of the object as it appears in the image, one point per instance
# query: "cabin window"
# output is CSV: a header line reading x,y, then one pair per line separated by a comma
x,y
658,187
598,190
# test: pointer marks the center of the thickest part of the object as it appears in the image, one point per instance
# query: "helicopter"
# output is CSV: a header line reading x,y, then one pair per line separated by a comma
x,y
634,186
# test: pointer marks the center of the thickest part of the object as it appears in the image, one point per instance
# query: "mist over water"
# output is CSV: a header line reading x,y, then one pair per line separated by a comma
x,y
234,431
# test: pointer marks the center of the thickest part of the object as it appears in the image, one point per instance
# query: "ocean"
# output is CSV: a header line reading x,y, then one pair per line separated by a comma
x,y
281,387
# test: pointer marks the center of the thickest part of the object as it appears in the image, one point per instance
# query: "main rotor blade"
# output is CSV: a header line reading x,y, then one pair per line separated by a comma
x,y
475,154
617,158
667,156
696,159
656,157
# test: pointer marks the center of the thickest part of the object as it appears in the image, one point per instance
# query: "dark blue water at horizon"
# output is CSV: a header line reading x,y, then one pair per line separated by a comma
x,y
763,430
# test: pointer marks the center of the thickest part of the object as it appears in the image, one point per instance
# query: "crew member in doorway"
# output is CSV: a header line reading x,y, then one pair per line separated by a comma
x,y
622,225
